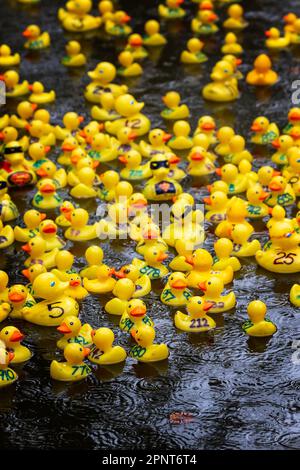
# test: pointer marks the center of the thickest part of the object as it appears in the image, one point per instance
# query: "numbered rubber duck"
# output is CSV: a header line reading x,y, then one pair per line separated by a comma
x,y
64,209
224,135
14,168
7,375
145,350
80,230
77,18
237,182
171,10
8,210
196,320
153,37
175,292
85,188
217,204
71,123
201,262
142,283
161,187
118,25
274,41
205,22
135,47
258,324
7,59
262,73
55,307
13,86
294,36
74,332
48,231
6,235
213,288
242,247
256,208
46,197
105,112
74,57
282,192
157,143
36,40
181,139
36,247
18,298
264,132
193,54
103,283
223,250
128,68
231,45
174,108
127,106
133,169
102,77
135,316
295,295
103,352
123,292
39,95
282,144
236,213
223,87
200,162
32,219
109,180
12,337
74,369
235,20
152,264
94,257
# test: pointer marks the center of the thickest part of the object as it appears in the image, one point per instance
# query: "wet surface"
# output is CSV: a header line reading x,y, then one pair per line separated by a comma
x,y
221,390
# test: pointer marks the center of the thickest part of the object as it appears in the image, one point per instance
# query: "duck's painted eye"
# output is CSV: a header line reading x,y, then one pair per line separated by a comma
x,y
199,302
52,284
71,323
80,349
132,102
6,332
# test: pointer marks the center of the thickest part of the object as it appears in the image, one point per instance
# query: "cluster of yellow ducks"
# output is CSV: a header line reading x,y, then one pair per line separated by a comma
x,y
119,136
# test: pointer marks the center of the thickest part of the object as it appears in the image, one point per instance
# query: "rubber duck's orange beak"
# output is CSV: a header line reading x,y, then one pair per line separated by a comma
x,y
30,87
275,186
83,134
179,284
212,17
179,2
138,312
136,42
166,137
75,283
162,256
42,216
80,119
207,306
68,147
93,332
47,149
47,188
49,228
111,272
120,274
26,248
197,157
268,34
26,33
132,135
123,159
202,286
256,127
294,116
89,139
263,196
207,200
190,260
11,356
209,188
75,159
2,78
86,352
208,126
25,273
68,215
16,297
174,159
28,127
238,62
2,136
65,210
218,171
139,203
16,337
41,172
34,106
276,143
95,164
295,133
276,173
125,19
64,329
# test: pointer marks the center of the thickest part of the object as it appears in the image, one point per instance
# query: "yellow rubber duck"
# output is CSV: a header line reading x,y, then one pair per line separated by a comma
x,y
237,182
292,170
157,143
282,192
74,369
217,204
150,237
74,57
184,249
242,247
36,40
48,231
103,282
193,54
3,286
77,18
294,36
201,262
152,264
6,235
135,46
153,37
46,196
55,307
128,68
204,23
7,375
223,249
135,316
103,352
181,139
48,170
41,132
161,187
238,152
142,283
123,292
174,108
86,134
264,132
107,110
200,162
38,154
171,10
25,112
223,87
289,21
4,121
255,207
85,187
295,295
274,41
207,125
109,180
145,350
231,45
224,135
7,59
236,213
32,272
118,25
106,10
282,144
127,106
265,175
74,332
64,265
133,169
235,20
64,209
68,146
94,257
102,77
13,87
293,122
71,123
8,210
262,73
75,289
213,288
18,298
4,310
36,247
79,229
12,337
175,292
196,320
15,168
258,324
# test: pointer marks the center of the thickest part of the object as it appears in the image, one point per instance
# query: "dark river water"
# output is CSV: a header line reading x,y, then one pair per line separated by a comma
x,y
232,391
